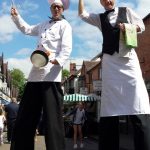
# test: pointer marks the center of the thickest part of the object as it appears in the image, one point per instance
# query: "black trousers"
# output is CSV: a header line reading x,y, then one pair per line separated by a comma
x,y
10,127
109,132
38,96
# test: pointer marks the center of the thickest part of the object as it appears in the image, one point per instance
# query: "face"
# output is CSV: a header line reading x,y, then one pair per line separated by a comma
x,y
56,10
80,105
108,4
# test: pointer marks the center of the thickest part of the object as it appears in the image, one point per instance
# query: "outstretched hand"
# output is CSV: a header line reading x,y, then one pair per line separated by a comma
x,y
13,11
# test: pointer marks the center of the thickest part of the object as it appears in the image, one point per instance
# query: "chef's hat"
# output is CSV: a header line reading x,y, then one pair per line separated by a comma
x,y
64,3
55,2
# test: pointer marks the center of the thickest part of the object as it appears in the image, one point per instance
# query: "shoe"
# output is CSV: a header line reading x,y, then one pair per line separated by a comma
x,y
75,146
81,145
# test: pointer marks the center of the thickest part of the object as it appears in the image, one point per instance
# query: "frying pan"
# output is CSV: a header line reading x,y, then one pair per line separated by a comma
x,y
39,58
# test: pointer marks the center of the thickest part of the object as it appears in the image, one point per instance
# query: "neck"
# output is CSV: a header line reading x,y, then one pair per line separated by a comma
x,y
107,9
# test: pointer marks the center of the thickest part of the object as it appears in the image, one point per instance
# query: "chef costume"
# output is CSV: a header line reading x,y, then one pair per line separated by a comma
x,y
43,90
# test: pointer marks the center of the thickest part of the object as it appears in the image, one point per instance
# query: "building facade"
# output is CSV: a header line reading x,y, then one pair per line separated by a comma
x,y
143,51
7,90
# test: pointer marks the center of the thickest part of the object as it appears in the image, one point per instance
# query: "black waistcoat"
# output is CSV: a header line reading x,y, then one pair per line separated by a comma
x,y
111,35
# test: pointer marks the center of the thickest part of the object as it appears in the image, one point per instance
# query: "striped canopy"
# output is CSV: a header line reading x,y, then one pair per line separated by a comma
x,y
78,97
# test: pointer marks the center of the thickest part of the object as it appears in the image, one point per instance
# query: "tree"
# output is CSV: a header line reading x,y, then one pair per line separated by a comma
x,y
18,80
65,73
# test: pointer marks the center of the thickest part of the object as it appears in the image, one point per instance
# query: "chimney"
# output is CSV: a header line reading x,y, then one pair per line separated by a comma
x,y
72,68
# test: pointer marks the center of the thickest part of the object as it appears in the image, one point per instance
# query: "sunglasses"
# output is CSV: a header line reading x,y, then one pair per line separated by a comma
x,y
56,6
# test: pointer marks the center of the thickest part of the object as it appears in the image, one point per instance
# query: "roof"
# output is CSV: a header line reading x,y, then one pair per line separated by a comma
x,y
90,64
146,17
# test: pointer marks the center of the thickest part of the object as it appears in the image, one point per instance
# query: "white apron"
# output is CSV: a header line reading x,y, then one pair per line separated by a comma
x,y
123,87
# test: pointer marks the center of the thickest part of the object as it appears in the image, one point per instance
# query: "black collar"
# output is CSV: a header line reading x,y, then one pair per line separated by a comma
x,y
108,11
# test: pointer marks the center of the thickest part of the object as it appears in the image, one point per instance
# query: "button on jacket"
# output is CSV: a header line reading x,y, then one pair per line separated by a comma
x,y
54,36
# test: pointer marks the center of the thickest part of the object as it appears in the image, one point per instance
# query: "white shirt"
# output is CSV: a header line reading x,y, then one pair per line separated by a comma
x,y
132,18
79,116
55,37
94,19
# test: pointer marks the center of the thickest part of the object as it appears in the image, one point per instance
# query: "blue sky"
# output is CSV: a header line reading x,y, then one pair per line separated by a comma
x,y
87,39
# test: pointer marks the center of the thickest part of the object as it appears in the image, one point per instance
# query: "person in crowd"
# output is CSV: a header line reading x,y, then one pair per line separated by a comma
x,y
43,89
2,120
11,111
123,88
78,120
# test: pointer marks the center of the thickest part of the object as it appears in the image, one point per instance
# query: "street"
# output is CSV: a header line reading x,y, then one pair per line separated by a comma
x,y
126,143
40,144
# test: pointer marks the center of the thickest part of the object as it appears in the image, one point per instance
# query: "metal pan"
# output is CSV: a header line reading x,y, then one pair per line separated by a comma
x,y
39,58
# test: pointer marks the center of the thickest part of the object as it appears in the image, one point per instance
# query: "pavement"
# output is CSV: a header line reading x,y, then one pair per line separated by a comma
x,y
91,143
40,144
126,141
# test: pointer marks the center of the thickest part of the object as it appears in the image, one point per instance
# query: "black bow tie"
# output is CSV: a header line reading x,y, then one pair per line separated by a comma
x,y
54,20
108,11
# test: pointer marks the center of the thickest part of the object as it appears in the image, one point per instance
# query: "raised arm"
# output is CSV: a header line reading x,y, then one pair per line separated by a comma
x,y
80,7
23,26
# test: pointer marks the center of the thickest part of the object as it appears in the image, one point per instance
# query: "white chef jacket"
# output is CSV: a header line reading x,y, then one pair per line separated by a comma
x,y
123,88
56,37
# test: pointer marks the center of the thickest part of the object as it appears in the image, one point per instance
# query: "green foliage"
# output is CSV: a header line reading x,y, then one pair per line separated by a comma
x,y
18,80
65,73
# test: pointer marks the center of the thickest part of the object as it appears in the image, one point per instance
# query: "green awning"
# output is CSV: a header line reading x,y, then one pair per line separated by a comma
x,y
78,97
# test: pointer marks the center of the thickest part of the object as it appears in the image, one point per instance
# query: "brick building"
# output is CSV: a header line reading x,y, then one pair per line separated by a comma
x,y
143,51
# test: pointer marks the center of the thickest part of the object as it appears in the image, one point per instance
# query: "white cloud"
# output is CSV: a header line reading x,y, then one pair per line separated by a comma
x,y
143,8
7,28
23,64
26,7
24,51
5,8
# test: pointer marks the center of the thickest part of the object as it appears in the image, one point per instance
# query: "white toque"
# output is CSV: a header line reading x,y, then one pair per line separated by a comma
x,y
64,3
56,2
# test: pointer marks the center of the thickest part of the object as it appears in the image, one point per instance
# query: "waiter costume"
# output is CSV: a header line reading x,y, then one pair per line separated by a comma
x,y
123,89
